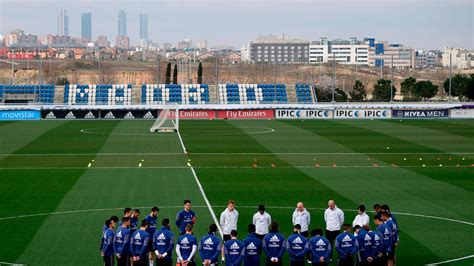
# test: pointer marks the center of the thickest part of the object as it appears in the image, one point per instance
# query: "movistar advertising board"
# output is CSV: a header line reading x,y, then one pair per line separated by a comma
x,y
302,114
20,115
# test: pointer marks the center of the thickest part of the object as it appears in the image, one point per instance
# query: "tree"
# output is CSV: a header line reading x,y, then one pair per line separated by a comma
x,y
168,74
340,95
407,87
470,88
424,89
459,85
199,77
358,92
175,74
381,90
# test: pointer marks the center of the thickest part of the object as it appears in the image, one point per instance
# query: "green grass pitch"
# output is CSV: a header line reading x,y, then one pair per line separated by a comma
x,y
52,205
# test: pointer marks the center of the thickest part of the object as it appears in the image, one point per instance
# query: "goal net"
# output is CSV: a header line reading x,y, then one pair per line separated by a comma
x,y
167,120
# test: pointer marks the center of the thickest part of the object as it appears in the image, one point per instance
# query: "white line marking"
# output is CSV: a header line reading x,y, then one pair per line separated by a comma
x,y
238,153
263,130
9,263
222,206
228,167
200,187
448,261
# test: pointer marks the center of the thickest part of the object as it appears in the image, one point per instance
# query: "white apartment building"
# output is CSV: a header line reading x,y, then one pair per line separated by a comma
x,y
460,58
381,53
349,51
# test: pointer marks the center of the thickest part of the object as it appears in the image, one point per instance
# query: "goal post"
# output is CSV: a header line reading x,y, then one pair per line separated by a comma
x,y
167,120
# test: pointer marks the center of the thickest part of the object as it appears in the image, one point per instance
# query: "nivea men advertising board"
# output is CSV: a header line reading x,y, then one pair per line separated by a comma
x,y
303,114
420,113
362,114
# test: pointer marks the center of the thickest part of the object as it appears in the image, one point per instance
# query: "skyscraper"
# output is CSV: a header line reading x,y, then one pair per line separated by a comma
x,y
122,23
144,26
63,23
86,26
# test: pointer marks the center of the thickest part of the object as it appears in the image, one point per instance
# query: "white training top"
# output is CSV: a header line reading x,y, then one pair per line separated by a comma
x,y
262,222
334,219
361,220
302,218
229,220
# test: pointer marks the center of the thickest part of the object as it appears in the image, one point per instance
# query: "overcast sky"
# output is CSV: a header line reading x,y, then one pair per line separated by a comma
x,y
428,24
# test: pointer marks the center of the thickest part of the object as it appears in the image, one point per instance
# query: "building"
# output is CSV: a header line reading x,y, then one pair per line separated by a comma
x,y
349,51
278,50
428,59
18,39
245,53
232,58
381,54
144,26
122,42
55,40
86,26
184,44
460,58
201,44
63,23
122,23
102,41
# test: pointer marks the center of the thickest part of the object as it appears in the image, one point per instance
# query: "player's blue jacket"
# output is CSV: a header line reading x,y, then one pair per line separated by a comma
x,y
394,227
319,247
184,218
108,242
210,247
274,245
366,245
253,249
234,250
122,241
386,233
152,221
133,224
139,243
186,243
346,245
163,241
377,243
297,246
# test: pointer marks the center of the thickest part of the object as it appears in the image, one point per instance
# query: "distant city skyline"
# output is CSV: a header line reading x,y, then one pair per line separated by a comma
x,y
421,24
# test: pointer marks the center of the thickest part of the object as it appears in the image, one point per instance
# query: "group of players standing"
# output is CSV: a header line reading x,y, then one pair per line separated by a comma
x,y
135,244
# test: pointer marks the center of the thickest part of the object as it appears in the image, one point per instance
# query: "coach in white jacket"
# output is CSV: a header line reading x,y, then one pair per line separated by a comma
x,y
262,221
334,218
302,217
229,219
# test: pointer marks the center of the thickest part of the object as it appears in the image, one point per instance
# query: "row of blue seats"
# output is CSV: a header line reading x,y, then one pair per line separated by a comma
x,y
303,93
44,92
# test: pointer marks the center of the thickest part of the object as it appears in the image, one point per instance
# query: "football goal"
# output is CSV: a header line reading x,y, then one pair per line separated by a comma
x,y
167,120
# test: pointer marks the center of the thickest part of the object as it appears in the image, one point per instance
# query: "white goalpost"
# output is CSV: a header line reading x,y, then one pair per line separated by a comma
x,y
167,120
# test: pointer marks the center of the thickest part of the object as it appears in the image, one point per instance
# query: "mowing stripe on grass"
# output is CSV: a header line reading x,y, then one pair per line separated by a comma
x,y
461,129
282,186
41,190
359,185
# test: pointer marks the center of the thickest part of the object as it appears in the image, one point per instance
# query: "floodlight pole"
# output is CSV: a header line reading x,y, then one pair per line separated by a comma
x,y
13,66
334,76
391,81
158,68
450,78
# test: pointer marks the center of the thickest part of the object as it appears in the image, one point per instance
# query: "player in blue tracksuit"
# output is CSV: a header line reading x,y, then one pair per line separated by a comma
x,y
253,248
377,246
387,241
386,208
184,217
134,220
366,245
122,242
186,247
114,219
107,251
210,247
297,246
163,244
320,248
152,220
234,250
139,245
347,246
274,246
